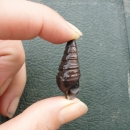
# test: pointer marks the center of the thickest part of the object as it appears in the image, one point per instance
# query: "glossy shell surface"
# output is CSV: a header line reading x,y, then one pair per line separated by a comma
x,y
68,76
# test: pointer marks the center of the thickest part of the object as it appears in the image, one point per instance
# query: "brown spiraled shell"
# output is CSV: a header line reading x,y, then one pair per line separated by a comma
x,y
69,73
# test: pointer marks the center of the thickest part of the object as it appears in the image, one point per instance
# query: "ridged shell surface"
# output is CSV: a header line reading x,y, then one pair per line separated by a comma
x,y
68,76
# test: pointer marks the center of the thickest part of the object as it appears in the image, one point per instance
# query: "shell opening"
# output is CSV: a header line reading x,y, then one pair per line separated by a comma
x,y
71,93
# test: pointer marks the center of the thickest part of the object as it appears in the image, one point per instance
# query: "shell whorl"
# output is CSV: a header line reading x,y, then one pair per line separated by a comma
x,y
69,73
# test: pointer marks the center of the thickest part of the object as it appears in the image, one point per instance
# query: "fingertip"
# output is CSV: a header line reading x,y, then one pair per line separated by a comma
x,y
72,111
34,20
49,113
10,99
67,110
56,29
12,107
77,32
57,111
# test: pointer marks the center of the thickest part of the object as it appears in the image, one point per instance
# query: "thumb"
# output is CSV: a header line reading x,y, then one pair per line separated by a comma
x,y
48,114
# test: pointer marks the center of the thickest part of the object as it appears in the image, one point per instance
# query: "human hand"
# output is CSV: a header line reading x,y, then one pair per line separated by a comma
x,y
48,114
25,20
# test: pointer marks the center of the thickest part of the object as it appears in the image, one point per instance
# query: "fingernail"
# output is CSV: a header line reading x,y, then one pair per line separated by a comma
x,y
12,107
5,85
72,112
78,32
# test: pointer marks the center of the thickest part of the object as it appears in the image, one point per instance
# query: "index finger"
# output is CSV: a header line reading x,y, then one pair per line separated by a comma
x,y
22,20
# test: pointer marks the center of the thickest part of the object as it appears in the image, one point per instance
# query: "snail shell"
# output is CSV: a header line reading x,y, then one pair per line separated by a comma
x,y
69,73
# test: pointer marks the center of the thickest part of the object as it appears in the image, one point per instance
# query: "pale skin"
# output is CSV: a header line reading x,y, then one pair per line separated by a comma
x,y
21,20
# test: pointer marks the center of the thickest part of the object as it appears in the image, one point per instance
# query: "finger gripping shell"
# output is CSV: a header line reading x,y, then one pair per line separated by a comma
x,y
68,76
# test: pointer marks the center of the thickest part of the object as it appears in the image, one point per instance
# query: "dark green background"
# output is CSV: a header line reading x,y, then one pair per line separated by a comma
x,y
104,63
